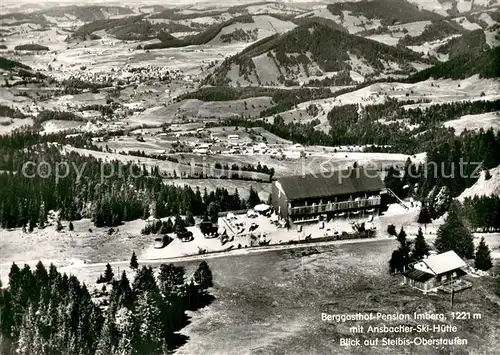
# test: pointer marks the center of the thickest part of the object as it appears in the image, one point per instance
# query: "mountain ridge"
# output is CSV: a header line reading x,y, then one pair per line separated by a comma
x,y
317,49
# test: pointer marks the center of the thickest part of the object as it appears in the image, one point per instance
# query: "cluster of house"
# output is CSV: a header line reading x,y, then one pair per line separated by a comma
x,y
125,75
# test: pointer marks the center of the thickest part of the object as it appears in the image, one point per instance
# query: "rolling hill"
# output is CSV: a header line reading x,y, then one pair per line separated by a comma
x,y
260,27
15,68
200,38
245,28
86,13
370,14
12,65
313,51
129,28
434,31
473,42
54,15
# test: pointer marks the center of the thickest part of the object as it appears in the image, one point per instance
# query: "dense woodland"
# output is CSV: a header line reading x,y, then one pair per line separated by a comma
x,y
483,212
486,64
128,29
44,312
389,11
473,42
131,192
282,99
200,38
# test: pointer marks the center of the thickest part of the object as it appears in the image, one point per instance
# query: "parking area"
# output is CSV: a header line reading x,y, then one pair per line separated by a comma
x,y
247,231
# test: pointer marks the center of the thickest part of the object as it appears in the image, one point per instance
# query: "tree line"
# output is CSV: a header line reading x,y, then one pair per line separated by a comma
x,y
46,312
483,212
453,235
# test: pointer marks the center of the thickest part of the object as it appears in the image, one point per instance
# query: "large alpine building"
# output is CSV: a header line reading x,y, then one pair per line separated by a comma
x,y
354,192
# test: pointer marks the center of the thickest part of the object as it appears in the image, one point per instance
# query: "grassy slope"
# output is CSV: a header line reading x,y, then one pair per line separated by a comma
x,y
271,303
486,64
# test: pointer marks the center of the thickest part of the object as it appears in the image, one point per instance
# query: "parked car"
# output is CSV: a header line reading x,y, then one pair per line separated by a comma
x,y
160,242
185,235
252,214
208,228
329,232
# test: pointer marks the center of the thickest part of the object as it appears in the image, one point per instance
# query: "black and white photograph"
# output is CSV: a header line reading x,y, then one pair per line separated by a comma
x,y
284,177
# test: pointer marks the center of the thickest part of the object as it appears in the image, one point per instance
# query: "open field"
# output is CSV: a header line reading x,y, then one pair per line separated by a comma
x,y
272,304
107,53
475,122
431,92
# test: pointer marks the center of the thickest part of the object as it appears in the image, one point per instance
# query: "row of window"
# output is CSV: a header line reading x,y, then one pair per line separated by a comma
x,y
336,206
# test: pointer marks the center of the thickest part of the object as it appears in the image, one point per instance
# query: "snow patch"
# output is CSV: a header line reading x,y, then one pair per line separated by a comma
x,y
465,23
484,187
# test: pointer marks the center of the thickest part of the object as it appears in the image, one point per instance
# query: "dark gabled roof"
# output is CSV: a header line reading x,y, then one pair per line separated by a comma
x,y
418,275
333,183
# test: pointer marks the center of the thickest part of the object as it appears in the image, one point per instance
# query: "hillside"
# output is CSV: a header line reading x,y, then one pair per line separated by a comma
x,y
18,19
486,64
12,65
85,13
262,26
201,38
388,12
312,17
54,15
473,42
221,12
484,186
434,31
129,28
13,69
313,51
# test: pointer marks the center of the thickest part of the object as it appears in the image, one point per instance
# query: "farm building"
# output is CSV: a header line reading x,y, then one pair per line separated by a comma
x,y
437,271
347,193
